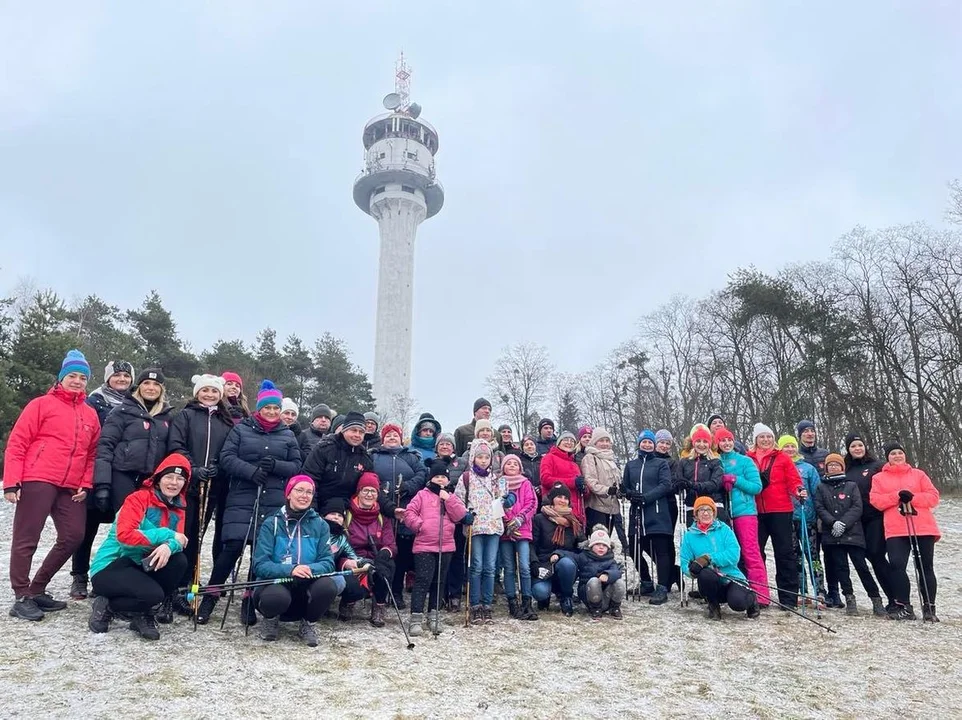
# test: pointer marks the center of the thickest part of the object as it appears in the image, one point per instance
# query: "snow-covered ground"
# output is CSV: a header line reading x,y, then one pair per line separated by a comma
x,y
667,660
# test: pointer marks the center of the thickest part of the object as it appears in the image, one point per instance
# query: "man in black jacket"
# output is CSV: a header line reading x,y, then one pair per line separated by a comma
x,y
546,437
465,434
321,416
808,447
338,461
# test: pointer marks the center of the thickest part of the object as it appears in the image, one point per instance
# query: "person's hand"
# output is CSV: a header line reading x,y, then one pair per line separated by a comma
x,y
509,500
612,491
159,557
468,518
703,560
267,464
79,496
603,577
259,477
728,482
554,558
838,529
181,538
694,568
444,495
199,473
906,496
802,493
514,526
398,513
350,564
302,571
102,499
12,496
580,484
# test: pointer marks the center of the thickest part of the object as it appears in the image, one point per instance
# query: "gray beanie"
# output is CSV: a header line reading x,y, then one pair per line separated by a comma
x,y
564,435
373,416
321,410
663,436
445,437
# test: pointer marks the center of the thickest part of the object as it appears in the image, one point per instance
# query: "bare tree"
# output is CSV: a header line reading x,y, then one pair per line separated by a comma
x,y
521,381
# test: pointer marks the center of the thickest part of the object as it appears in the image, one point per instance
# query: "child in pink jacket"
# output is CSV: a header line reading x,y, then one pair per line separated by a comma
x,y
515,543
432,515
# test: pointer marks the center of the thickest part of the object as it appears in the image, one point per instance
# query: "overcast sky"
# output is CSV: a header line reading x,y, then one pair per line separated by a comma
x,y
597,158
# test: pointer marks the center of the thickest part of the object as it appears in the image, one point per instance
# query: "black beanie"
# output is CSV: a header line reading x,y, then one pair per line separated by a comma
x,y
155,374
335,505
321,410
545,421
337,422
480,403
852,437
437,467
890,446
352,419
558,490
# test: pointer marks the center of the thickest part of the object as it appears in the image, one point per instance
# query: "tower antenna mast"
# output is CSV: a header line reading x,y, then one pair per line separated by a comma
x,y
402,80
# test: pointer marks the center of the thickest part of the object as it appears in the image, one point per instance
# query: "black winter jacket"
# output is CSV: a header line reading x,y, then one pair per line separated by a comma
x,y
309,439
814,456
531,467
132,442
246,445
99,402
336,466
402,476
199,434
861,471
839,499
647,483
542,532
700,476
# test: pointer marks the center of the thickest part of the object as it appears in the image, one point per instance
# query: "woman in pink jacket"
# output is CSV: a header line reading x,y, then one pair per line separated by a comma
x,y
432,515
905,495
515,543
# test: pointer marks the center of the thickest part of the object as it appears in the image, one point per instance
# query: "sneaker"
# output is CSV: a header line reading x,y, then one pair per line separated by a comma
x,y
26,608
659,596
903,612
567,607
100,615
307,633
165,614
477,616
78,588
615,611
145,625
46,602
486,615
270,628
206,609
714,611
415,624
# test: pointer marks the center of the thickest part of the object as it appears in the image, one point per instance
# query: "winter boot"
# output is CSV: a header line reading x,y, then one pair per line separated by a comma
x,y
434,622
26,608
145,625
78,588
206,609
595,612
182,606
660,596
100,615
514,609
714,611
415,624
270,628
543,605
834,602
377,614
754,610
345,611
248,612
695,595
567,607
647,587
165,613
477,617
878,610
454,604
903,612
850,607
45,601
614,609
527,612
928,613
486,615
307,633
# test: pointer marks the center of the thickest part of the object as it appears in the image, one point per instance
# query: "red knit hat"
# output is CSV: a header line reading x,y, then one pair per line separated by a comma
x,y
368,480
700,432
231,376
391,427
723,433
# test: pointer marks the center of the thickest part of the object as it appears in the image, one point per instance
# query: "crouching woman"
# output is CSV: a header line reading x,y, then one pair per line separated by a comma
x,y
295,543
709,554
142,558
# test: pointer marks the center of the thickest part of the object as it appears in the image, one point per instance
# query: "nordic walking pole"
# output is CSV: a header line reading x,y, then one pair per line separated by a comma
x,y
195,590
467,577
251,525
201,531
684,527
744,584
248,595
404,629
435,629
920,582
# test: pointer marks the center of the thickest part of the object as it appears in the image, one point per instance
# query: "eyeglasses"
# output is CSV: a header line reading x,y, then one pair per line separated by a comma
x,y
368,491
705,509
306,492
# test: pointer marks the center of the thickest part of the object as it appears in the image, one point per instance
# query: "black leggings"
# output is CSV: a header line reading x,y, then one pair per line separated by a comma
x,y
613,523
354,591
875,552
426,579
659,550
779,527
403,561
838,556
301,600
81,558
226,560
456,567
131,590
716,592
899,550
192,529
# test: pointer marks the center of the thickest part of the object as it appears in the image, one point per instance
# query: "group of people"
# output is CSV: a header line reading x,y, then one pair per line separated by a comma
x,y
343,511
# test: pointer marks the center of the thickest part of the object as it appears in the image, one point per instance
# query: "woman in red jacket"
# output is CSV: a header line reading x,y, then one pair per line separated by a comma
x,y
781,484
47,470
905,494
559,466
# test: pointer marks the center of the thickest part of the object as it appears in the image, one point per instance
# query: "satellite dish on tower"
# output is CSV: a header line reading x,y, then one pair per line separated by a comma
x,y
414,110
392,101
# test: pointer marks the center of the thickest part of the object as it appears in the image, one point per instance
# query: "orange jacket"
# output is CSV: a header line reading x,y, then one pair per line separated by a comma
x,y
885,496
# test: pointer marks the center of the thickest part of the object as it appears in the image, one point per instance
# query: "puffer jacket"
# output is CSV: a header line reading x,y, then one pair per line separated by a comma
x,y
531,467
402,475
309,439
814,456
542,539
885,496
783,482
601,473
861,471
479,493
810,481
559,466
718,542
646,482
103,400
525,507
53,441
700,475
591,566
838,499
747,483
377,532
305,539
246,445
199,433
426,514
335,466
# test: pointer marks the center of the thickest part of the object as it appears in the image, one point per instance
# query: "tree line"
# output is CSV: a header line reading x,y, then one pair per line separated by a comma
x,y
37,327
867,340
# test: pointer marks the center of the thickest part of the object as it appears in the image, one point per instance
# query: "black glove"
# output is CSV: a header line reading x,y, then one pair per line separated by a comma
x,y
612,491
267,464
102,499
259,476
694,568
384,564
906,496
199,473
580,484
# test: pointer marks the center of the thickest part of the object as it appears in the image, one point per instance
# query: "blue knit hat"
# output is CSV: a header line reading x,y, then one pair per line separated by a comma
x,y
74,362
645,435
268,395
802,426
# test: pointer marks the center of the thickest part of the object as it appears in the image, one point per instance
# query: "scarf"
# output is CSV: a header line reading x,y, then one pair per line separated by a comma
x,y
704,528
563,519
365,516
601,454
335,527
293,514
480,472
514,481
113,397
266,425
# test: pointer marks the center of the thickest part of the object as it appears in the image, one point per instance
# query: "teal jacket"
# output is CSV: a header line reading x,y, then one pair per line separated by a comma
x,y
718,542
748,483
283,543
811,480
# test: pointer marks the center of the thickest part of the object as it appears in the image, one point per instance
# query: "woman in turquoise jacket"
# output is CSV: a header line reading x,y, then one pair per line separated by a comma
x,y
709,554
805,511
294,543
742,483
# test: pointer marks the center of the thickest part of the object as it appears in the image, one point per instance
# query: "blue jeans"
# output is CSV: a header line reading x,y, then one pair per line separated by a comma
x,y
562,582
484,553
508,549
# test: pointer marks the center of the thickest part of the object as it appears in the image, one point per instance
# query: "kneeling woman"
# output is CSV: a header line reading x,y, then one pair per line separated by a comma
x,y
294,543
142,558
556,532
709,554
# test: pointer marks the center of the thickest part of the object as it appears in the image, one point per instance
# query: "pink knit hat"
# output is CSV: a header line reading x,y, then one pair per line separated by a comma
x,y
294,481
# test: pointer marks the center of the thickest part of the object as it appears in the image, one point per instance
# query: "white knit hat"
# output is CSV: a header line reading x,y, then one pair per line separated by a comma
x,y
212,381
288,404
761,429
599,537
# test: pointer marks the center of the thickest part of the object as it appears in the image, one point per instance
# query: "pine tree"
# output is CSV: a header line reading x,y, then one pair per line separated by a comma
x,y
338,382
299,370
161,347
232,355
567,413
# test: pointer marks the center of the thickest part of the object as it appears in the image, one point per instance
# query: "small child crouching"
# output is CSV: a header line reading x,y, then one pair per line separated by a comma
x,y
600,587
